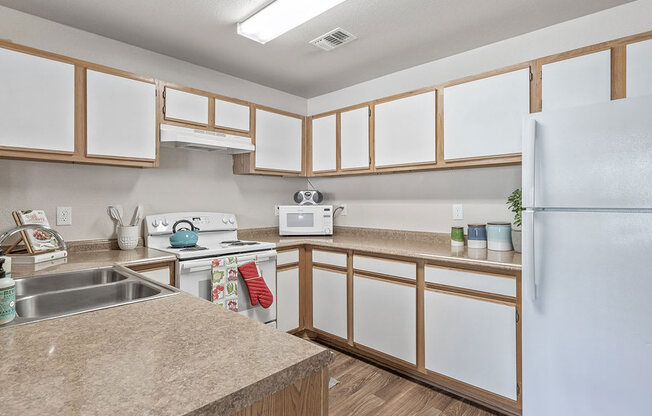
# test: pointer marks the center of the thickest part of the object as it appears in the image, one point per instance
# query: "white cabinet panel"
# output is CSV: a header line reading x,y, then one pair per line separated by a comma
x,y
471,340
159,275
577,81
287,299
120,116
278,141
329,302
287,257
470,280
405,130
354,138
329,257
37,102
485,117
185,106
384,317
390,267
324,143
232,115
639,68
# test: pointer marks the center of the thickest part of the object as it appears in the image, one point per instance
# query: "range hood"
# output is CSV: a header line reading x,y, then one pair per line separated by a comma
x,y
183,137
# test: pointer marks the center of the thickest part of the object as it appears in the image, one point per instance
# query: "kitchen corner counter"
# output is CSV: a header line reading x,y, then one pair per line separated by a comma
x,y
434,247
79,260
171,356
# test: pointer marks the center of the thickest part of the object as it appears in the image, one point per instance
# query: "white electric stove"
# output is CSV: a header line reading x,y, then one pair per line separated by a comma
x,y
218,237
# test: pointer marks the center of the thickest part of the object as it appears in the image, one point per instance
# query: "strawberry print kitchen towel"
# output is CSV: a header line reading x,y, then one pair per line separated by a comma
x,y
224,278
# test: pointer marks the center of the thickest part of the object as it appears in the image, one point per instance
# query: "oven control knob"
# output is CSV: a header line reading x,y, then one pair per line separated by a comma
x,y
224,220
165,222
231,220
156,223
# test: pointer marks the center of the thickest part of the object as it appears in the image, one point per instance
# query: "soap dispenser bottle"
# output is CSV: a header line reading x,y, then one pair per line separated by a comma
x,y
7,296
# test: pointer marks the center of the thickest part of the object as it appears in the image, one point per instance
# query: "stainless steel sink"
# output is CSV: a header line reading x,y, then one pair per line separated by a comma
x,y
62,294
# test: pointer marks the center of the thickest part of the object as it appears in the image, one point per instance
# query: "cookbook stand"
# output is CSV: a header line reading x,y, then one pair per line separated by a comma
x,y
26,249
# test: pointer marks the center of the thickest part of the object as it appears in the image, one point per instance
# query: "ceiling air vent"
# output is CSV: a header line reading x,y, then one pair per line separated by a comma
x,y
333,39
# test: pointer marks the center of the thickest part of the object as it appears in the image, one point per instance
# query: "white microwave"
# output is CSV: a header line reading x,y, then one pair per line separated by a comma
x,y
305,219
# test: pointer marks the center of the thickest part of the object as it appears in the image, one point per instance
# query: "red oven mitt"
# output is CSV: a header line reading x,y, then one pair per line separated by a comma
x,y
258,290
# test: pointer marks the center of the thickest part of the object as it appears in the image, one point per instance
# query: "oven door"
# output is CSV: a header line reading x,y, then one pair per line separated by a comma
x,y
195,278
301,220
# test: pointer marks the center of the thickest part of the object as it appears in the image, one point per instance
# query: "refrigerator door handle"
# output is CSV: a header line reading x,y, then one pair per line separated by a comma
x,y
528,158
529,272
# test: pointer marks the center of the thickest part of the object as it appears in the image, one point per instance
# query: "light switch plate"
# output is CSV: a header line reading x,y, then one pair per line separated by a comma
x,y
64,215
458,212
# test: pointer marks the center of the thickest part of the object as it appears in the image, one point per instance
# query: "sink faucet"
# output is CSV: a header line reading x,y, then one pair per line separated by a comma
x,y
16,230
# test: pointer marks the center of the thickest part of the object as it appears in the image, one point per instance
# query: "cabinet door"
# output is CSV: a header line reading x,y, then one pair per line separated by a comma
x,y
185,107
576,81
484,117
639,68
158,275
471,340
37,102
120,117
287,299
324,144
354,139
329,301
232,115
384,317
405,130
278,141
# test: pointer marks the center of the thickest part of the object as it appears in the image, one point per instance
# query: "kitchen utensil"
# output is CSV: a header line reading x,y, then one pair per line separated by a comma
x,y
115,214
184,237
138,216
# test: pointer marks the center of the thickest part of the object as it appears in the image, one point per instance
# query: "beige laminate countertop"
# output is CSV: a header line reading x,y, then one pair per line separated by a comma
x,y
80,260
176,355
425,246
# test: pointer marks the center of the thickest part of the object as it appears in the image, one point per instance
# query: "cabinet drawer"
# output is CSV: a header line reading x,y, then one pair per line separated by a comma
x,y
329,257
469,280
389,267
287,257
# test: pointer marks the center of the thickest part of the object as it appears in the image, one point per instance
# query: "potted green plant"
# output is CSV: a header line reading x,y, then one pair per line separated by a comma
x,y
516,206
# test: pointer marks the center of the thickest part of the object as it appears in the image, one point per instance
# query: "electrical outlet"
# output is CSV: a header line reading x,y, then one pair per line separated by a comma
x,y
458,212
276,210
64,215
345,211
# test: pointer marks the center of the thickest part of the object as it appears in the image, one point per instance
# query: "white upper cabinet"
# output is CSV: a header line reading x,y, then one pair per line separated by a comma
x,y
232,115
576,81
639,68
120,116
405,130
324,144
37,102
185,106
354,139
278,141
484,117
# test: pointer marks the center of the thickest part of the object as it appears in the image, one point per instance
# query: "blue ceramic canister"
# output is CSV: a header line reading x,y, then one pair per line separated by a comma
x,y
499,236
477,236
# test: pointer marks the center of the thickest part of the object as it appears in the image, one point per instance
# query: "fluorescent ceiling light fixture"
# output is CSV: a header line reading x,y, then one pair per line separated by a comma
x,y
282,16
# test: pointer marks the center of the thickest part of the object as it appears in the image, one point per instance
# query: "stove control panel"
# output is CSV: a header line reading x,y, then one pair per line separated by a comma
x,y
205,221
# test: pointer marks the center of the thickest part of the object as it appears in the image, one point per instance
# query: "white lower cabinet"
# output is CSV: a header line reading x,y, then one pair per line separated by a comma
x,y
471,340
384,317
160,275
329,301
287,299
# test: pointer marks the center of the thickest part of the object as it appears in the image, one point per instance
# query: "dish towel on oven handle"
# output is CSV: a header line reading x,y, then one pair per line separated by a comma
x,y
224,279
258,290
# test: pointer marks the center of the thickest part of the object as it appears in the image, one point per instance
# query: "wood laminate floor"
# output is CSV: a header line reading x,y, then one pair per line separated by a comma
x,y
365,389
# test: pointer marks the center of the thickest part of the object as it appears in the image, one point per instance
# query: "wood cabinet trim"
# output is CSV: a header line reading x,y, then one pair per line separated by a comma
x,y
471,293
384,278
470,270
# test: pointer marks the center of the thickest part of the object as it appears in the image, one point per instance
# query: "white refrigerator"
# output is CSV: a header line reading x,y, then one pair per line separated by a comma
x,y
587,260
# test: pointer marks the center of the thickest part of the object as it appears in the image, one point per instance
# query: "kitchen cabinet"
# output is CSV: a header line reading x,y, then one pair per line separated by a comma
x,y
404,131
577,81
185,107
329,309
466,279
471,340
287,299
120,116
159,272
404,269
329,258
324,143
279,141
384,317
484,117
232,115
37,103
354,138
639,64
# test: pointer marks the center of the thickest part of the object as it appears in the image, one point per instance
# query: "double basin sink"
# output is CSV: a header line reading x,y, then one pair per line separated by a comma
x,y
62,294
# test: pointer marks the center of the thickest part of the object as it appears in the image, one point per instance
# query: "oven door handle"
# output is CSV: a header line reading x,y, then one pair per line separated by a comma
x,y
208,264
195,268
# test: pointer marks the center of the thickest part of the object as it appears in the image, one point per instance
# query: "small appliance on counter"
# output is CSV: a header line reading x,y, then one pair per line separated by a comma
x,y
308,197
305,220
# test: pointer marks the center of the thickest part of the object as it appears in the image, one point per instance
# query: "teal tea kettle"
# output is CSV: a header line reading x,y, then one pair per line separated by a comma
x,y
184,237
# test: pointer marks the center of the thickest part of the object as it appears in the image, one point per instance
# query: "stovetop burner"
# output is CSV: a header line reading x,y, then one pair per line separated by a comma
x,y
238,243
190,248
